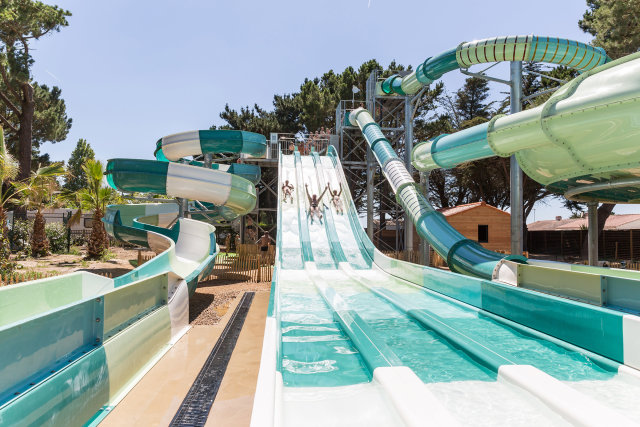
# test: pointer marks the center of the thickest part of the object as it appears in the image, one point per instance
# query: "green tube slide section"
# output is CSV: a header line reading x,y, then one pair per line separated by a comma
x,y
463,255
553,50
582,141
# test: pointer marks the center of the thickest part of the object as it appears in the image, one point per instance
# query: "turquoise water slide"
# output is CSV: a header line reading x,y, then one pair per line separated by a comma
x,y
356,338
72,346
582,142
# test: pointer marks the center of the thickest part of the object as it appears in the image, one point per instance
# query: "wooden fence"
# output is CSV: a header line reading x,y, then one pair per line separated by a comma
x,y
245,268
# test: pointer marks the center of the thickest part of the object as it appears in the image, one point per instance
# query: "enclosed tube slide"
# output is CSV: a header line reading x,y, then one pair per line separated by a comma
x,y
463,255
579,56
582,142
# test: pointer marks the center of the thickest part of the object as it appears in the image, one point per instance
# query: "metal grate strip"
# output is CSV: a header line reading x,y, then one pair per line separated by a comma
x,y
196,405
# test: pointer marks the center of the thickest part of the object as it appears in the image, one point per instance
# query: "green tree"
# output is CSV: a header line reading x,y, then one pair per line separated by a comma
x,y
94,196
20,22
76,177
39,191
615,24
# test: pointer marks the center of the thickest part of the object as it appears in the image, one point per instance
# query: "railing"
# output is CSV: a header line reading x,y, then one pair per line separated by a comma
x,y
286,143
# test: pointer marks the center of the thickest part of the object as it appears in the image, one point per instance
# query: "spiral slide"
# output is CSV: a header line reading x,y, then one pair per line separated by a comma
x,y
73,345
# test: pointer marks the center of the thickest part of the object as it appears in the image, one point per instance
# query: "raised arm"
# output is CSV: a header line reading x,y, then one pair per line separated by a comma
x,y
322,194
329,187
340,192
306,187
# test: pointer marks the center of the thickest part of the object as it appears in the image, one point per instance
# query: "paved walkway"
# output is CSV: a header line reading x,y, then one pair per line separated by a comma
x,y
156,398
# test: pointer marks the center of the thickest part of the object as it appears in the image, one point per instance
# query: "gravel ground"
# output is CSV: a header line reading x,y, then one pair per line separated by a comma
x,y
63,263
213,298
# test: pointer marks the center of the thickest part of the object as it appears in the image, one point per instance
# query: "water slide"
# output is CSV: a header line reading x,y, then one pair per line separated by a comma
x,y
356,338
74,345
582,142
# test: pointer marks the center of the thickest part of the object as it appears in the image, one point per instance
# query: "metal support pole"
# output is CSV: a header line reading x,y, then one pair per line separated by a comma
x,y
242,229
408,148
592,218
183,207
370,166
515,178
208,160
424,244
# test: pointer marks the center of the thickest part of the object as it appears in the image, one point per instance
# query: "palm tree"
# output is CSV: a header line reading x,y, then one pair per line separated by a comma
x,y
38,192
95,196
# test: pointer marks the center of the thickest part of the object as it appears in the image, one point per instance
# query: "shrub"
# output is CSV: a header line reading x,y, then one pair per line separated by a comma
x,y
7,265
57,235
19,235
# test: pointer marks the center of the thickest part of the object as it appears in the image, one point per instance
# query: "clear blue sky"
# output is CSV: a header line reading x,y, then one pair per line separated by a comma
x,y
133,71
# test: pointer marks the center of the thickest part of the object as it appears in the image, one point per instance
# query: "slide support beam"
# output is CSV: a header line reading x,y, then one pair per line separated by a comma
x,y
515,177
370,171
425,249
592,215
408,148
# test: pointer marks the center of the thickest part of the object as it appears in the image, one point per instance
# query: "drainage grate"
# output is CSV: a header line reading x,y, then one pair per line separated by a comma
x,y
195,407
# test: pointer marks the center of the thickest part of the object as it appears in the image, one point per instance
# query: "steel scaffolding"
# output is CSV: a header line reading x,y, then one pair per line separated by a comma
x,y
385,219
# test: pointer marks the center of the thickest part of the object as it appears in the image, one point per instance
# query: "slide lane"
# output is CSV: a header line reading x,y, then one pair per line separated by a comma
x,y
319,241
350,247
452,348
585,372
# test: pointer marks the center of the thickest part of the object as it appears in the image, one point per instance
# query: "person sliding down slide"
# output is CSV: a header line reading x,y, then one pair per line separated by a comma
x,y
287,189
335,198
314,202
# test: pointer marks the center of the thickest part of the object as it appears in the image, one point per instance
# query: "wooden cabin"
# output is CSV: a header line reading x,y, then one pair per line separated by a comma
x,y
486,224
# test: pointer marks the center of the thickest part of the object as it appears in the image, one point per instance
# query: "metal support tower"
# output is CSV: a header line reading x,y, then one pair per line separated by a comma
x,y
387,225
515,177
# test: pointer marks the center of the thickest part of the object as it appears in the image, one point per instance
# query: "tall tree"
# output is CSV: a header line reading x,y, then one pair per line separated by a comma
x,y
76,177
22,21
615,25
470,101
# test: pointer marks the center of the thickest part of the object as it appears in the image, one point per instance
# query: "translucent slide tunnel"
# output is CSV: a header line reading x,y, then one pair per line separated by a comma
x,y
72,346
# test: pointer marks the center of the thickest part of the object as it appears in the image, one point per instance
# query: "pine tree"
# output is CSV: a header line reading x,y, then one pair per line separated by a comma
x,y
615,25
77,177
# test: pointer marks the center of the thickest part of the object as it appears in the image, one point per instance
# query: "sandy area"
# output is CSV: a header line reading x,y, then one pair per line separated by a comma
x,y
213,298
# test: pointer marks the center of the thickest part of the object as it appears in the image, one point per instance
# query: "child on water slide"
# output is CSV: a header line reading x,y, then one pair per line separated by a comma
x,y
287,189
314,204
335,198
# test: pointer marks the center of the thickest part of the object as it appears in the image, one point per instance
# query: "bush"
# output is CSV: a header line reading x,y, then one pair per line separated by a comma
x,y
57,235
7,266
19,235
